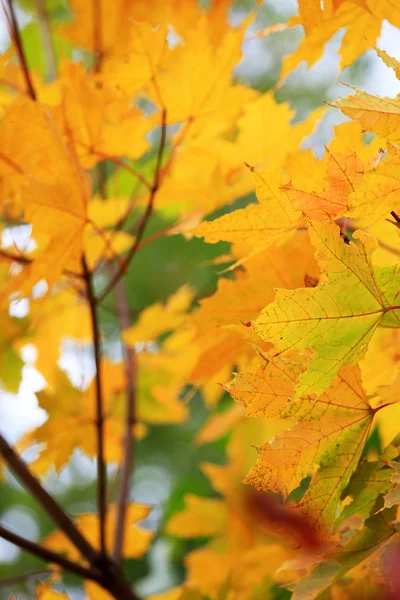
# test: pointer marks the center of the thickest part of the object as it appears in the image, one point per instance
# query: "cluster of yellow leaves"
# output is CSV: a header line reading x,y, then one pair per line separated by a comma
x,y
306,317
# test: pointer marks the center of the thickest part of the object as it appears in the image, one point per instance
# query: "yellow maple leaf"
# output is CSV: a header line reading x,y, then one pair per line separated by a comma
x,y
96,120
340,418
201,517
362,28
378,115
160,318
52,197
336,319
344,174
377,195
136,540
259,224
203,76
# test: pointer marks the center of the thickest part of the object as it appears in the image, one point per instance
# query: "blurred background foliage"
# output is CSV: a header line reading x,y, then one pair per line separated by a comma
x,y
167,461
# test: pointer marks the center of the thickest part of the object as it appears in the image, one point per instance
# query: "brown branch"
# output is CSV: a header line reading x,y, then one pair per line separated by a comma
x,y
49,54
26,260
52,508
395,216
146,215
101,466
49,556
97,36
20,50
130,419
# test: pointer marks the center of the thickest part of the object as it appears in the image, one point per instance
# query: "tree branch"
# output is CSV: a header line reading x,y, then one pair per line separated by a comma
x,y
49,556
21,55
146,215
52,508
130,419
101,466
97,35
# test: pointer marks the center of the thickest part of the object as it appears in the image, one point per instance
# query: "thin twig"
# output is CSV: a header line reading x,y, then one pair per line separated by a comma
x,y
117,161
26,260
130,419
21,578
101,466
49,54
146,215
49,556
97,36
20,50
52,508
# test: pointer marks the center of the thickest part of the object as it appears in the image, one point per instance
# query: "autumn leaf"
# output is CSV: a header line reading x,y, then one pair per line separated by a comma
x,y
158,318
340,418
371,480
378,115
344,174
377,196
336,319
389,61
362,28
53,200
258,224
137,539
202,517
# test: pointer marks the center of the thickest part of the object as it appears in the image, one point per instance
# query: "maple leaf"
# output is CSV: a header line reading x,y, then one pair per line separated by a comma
x,y
160,318
378,115
201,517
219,329
377,195
96,120
259,223
135,544
389,61
392,498
371,480
366,545
203,76
383,349
71,421
362,27
336,319
344,174
53,198
340,418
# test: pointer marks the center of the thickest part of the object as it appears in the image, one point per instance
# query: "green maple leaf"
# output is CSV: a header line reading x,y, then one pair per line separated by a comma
x,y
336,319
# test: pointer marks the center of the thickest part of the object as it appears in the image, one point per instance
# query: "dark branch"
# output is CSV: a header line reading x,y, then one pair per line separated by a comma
x,y
20,50
52,508
146,215
101,466
130,417
49,556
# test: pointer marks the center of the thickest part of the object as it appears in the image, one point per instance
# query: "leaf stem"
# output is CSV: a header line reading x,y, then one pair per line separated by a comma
x,y
146,215
48,555
24,577
101,466
52,508
20,50
119,162
130,420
